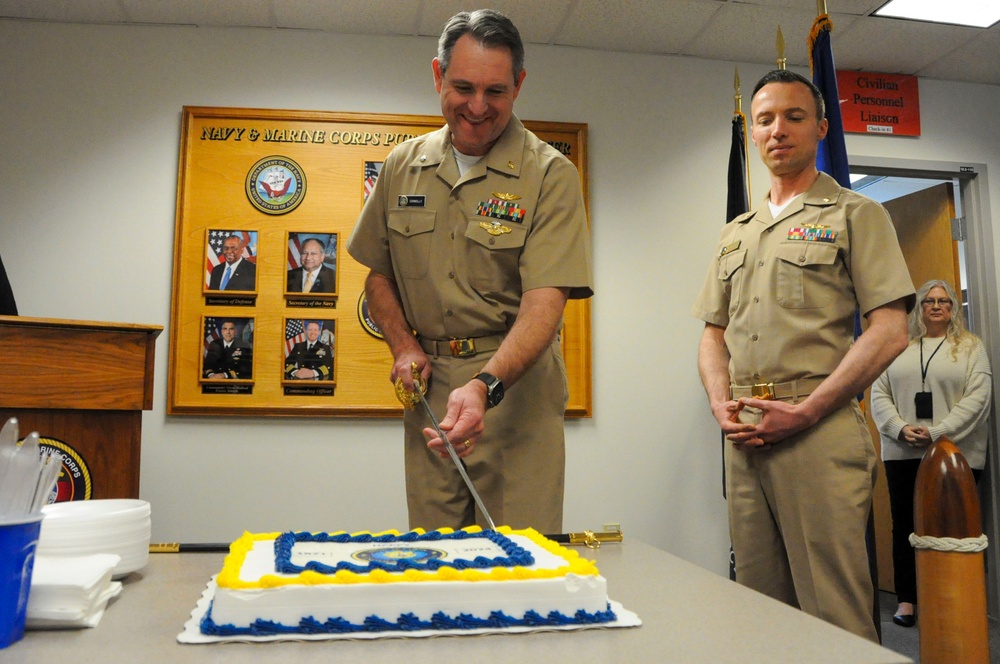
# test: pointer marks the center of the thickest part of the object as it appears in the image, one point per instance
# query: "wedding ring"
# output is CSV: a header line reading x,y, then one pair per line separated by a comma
x,y
468,444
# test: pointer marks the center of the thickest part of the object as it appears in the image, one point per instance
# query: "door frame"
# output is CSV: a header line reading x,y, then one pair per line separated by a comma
x,y
972,204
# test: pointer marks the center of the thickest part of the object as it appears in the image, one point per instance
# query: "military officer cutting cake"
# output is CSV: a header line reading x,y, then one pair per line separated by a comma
x,y
475,237
778,304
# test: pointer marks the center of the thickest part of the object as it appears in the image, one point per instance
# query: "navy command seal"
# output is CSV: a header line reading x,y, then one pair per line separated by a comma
x,y
475,236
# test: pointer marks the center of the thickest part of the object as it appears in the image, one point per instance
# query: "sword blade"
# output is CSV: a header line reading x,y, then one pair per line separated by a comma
x,y
454,457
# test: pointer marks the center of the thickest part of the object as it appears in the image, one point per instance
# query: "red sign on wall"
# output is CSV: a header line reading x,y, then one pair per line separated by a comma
x,y
873,103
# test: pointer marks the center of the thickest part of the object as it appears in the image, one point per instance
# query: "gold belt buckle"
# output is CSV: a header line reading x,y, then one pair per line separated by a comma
x,y
462,347
762,391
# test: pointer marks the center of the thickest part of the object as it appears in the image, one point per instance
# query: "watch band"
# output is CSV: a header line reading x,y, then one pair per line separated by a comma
x,y
494,388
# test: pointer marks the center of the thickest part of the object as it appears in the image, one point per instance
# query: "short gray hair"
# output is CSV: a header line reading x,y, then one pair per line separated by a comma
x,y
488,27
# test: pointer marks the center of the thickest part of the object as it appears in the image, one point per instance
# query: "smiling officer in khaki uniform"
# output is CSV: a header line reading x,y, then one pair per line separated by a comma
x,y
778,305
476,235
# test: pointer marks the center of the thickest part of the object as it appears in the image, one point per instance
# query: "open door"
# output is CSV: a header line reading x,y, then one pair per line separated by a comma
x,y
923,225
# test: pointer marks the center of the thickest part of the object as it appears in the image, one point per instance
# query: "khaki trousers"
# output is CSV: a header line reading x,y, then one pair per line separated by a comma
x,y
518,465
797,516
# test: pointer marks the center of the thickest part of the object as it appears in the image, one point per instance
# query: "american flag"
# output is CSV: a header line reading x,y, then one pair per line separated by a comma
x,y
211,331
213,255
295,332
372,170
294,251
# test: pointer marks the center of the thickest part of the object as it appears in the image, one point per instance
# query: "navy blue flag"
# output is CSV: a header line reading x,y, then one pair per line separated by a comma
x,y
832,155
832,159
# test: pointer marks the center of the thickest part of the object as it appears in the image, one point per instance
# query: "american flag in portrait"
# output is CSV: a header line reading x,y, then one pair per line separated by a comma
x,y
294,251
295,332
372,170
211,331
213,253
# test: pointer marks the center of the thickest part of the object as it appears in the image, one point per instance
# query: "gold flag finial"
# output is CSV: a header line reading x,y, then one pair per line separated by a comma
x,y
820,7
780,45
737,95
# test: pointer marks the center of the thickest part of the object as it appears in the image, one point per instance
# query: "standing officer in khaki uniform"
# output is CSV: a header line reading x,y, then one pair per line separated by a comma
x,y
778,305
476,236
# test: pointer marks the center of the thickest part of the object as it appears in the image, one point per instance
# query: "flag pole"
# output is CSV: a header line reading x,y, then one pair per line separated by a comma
x,y
738,113
737,96
780,45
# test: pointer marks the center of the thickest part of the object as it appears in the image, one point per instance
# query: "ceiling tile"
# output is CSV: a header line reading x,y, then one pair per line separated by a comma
x,y
896,47
977,61
68,11
748,33
638,27
364,17
200,12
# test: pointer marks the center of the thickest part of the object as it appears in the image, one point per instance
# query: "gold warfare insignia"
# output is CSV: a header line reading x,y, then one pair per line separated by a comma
x,y
506,197
729,247
494,227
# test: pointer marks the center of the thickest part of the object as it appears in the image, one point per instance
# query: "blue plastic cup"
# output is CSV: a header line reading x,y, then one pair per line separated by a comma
x,y
17,559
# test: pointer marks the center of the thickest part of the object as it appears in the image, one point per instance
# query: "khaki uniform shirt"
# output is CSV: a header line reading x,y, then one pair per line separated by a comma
x,y
786,289
462,250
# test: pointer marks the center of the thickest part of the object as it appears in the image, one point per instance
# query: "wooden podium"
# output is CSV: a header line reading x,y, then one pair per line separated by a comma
x,y
84,384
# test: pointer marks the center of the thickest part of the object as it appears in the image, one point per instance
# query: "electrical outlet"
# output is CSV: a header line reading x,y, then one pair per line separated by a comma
x,y
612,527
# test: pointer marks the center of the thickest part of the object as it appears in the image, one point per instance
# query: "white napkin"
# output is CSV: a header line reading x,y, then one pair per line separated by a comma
x,y
71,591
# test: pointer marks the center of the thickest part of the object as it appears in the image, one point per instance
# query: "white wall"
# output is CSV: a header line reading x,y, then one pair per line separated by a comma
x,y
89,134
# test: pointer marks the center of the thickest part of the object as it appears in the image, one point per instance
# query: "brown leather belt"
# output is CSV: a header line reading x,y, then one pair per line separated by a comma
x,y
461,347
793,389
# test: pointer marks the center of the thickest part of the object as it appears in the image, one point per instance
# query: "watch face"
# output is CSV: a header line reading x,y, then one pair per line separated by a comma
x,y
494,392
494,388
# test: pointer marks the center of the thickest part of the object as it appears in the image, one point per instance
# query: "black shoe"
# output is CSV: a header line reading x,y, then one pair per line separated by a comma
x,y
905,621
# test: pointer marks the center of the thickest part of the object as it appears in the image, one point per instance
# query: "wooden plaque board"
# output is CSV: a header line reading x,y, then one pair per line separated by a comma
x,y
271,178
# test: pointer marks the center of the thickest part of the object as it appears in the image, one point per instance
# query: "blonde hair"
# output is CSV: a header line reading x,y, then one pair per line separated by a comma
x,y
957,333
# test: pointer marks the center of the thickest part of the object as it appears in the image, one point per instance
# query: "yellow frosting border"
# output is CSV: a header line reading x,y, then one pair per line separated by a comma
x,y
229,577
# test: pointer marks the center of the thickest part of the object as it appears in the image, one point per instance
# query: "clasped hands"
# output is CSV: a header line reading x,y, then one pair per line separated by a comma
x,y
915,436
777,420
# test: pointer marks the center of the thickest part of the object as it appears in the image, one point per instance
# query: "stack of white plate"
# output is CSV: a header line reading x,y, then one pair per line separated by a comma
x,y
117,526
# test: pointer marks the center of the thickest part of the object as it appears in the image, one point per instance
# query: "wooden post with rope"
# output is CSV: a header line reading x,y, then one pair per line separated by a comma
x,y
949,542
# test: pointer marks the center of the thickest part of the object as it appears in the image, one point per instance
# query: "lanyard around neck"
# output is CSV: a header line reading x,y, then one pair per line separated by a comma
x,y
924,367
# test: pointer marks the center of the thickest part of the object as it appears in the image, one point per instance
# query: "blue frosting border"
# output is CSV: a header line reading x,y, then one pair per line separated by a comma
x,y
514,555
407,622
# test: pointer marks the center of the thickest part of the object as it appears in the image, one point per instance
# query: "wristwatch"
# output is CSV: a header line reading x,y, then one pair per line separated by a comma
x,y
494,389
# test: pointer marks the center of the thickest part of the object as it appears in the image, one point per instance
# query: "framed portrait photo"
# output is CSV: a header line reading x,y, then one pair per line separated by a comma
x,y
310,356
230,276
227,355
311,269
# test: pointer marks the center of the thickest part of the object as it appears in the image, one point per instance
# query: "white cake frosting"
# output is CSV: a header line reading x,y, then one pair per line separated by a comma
x,y
448,580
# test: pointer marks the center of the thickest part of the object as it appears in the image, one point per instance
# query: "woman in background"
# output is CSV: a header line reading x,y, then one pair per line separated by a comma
x,y
939,386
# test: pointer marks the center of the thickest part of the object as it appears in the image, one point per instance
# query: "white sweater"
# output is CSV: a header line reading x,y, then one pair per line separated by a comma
x,y
961,390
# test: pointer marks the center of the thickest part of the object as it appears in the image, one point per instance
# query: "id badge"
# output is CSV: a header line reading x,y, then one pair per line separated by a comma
x,y
925,405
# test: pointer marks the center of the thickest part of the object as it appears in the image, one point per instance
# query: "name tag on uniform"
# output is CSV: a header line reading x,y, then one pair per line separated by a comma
x,y
412,200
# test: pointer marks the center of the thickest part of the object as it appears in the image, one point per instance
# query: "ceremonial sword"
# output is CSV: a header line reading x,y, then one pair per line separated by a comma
x,y
407,398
